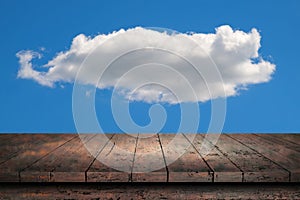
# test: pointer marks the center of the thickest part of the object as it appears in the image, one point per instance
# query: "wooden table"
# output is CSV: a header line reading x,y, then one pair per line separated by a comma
x,y
64,158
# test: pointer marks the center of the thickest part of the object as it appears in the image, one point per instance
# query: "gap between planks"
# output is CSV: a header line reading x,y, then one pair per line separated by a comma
x,y
245,145
261,154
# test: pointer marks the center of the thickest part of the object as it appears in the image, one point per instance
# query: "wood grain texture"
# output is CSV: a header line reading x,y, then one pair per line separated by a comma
x,y
224,169
255,167
183,161
41,146
149,164
281,141
107,191
11,145
288,158
149,158
67,163
294,138
114,163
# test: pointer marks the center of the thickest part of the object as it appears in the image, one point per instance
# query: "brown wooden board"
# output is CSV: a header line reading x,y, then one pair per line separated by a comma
x,y
149,164
294,138
41,146
281,141
224,169
57,166
255,167
149,191
12,145
70,162
114,162
66,157
7,136
285,157
77,163
183,161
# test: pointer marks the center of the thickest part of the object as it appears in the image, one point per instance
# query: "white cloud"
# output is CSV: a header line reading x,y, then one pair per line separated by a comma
x,y
234,52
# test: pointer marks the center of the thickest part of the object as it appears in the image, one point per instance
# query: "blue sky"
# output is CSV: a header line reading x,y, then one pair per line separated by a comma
x,y
27,106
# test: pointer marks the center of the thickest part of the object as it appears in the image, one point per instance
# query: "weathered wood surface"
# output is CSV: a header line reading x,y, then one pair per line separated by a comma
x,y
189,166
149,164
279,153
255,167
293,137
29,153
224,169
114,163
124,191
149,158
281,141
67,163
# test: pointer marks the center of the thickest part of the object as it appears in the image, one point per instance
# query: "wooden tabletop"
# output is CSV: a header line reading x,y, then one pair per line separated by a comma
x,y
131,158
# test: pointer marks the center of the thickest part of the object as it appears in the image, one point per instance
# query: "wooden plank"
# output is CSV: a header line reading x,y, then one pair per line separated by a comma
x,y
49,167
281,141
42,146
255,167
293,138
149,191
114,162
224,169
287,158
63,157
149,164
73,169
14,144
5,137
189,167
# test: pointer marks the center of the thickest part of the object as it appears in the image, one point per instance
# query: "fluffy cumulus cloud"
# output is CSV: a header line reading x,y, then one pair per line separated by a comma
x,y
157,66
